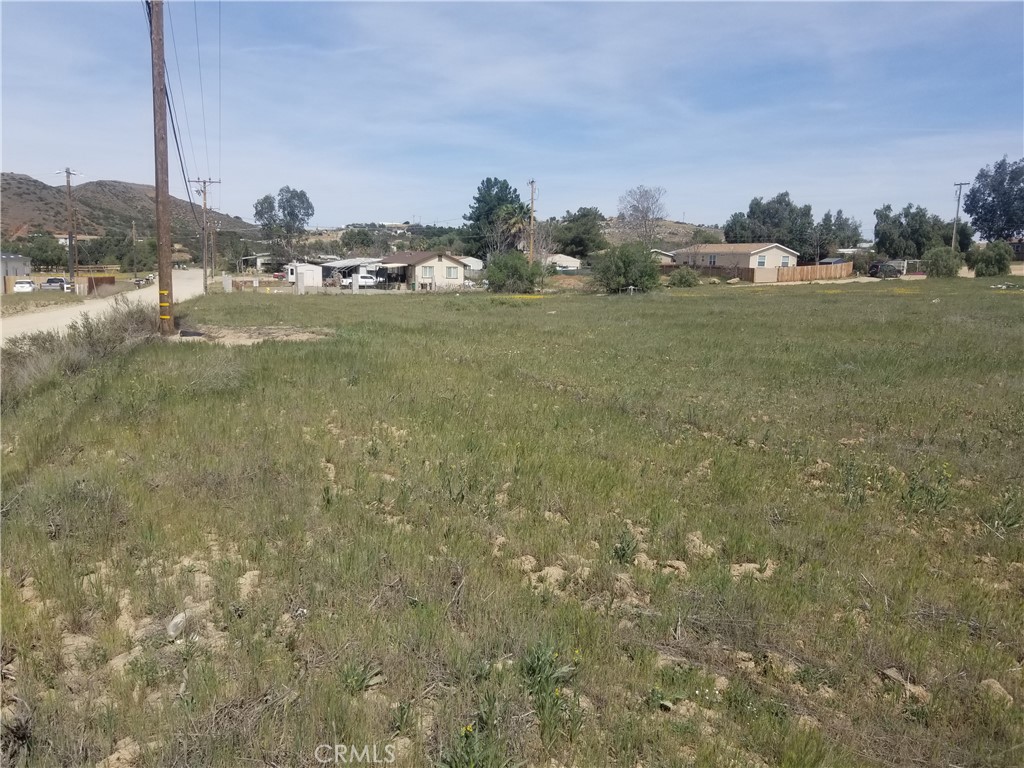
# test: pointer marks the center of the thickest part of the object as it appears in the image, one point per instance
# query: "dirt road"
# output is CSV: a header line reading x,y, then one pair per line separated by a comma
x,y
186,284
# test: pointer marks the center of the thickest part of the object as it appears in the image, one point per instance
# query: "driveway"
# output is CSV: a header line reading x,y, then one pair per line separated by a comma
x,y
186,284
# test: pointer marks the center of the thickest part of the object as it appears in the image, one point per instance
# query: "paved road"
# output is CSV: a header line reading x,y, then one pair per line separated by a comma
x,y
187,283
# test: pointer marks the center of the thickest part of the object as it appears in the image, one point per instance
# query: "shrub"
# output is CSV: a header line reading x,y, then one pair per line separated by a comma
x,y
625,266
942,262
861,261
990,261
46,356
512,273
684,277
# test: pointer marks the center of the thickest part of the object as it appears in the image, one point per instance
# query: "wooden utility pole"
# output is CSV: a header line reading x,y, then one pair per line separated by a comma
x,y
207,260
135,254
163,194
959,188
533,186
72,233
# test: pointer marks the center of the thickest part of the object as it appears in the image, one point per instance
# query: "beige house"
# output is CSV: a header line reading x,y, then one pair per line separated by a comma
x,y
745,255
424,271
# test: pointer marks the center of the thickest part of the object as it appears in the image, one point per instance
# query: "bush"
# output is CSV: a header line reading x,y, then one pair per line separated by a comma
x,y
512,273
625,266
942,262
862,261
39,359
992,260
684,277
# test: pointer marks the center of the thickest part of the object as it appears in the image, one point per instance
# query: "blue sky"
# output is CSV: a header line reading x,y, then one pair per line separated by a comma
x,y
396,111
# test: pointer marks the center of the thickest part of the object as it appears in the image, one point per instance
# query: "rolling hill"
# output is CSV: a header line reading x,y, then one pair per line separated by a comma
x,y
29,205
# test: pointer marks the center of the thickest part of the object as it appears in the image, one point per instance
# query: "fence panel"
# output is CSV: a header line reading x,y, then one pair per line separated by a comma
x,y
815,272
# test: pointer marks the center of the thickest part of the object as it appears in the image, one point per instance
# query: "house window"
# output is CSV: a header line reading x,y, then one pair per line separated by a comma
x,y
428,273
760,261
712,259
785,261
452,273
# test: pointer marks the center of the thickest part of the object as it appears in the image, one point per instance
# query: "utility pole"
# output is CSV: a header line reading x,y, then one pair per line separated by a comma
x,y
163,194
135,254
72,234
959,188
207,267
533,186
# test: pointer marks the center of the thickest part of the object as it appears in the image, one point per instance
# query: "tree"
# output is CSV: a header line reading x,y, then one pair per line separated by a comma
x,y
41,247
640,209
990,261
510,272
627,265
294,210
995,202
579,234
486,234
909,233
287,216
265,214
941,261
779,220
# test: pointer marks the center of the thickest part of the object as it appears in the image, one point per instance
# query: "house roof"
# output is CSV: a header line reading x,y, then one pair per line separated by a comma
x,y
740,248
415,258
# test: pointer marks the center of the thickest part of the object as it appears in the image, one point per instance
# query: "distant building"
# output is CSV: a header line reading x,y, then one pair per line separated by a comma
x,y
425,271
746,255
560,260
13,266
1017,244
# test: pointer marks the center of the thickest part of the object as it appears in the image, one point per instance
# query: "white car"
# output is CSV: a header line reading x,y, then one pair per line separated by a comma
x,y
365,281
24,286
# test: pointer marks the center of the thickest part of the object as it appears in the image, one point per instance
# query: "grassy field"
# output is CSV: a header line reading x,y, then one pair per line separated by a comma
x,y
716,526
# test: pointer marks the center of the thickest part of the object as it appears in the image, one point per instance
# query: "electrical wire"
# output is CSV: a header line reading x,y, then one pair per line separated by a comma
x,y
202,95
181,86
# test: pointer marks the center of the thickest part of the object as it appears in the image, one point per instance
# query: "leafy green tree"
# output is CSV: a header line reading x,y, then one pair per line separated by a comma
x,y
779,220
991,260
909,233
352,239
265,214
964,235
288,215
294,210
510,272
941,261
684,277
627,265
641,208
703,236
484,222
995,202
41,247
579,234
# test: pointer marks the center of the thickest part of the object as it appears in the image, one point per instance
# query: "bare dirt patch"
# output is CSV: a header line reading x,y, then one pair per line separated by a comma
x,y
244,336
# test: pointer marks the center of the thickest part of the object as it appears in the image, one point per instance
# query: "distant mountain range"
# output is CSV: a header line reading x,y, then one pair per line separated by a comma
x,y
28,205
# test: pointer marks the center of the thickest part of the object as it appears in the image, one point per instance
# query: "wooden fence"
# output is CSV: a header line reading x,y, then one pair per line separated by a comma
x,y
815,272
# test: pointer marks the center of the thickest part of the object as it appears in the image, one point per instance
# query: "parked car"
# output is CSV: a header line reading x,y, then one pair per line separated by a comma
x,y
365,281
24,286
57,284
884,269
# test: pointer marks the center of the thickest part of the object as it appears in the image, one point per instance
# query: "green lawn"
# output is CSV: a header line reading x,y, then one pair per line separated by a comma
x,y
715,526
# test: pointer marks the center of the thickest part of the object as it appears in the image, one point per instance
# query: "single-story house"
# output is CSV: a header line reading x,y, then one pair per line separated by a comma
x,y
560,260
425,271
745,255
663,258
12,267
472,262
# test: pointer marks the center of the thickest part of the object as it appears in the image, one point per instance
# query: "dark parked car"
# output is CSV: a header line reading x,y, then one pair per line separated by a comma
x,y
884,269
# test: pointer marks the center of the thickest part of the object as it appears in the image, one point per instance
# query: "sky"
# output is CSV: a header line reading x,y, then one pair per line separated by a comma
x,y
396,111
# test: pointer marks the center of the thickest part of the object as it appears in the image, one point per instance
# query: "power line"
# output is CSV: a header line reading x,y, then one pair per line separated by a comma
x,y
181,85
202,96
